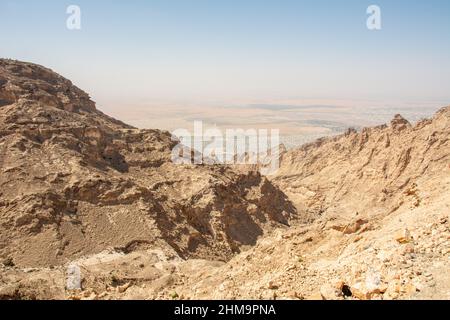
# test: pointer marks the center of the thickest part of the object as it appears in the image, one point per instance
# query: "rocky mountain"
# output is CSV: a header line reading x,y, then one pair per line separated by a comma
x,y
367,173
364,215
374,221
75,182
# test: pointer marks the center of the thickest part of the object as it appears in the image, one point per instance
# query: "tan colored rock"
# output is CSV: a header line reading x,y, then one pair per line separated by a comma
x,y
123,288
362,291
393,290
403,236
316,296
409,289
350,228
359,291
330,292
273,285
81,187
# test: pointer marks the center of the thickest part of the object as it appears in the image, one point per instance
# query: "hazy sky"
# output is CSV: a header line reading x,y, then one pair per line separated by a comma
x,y
225,50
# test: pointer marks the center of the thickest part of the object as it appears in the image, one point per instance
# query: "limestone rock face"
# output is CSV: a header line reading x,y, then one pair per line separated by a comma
x,y
373,208
360,174
363,215
76,182
21,81
399,123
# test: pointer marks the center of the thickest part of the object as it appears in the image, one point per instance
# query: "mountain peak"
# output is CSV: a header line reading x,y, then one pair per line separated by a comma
x,y
21,81
33,96
399,123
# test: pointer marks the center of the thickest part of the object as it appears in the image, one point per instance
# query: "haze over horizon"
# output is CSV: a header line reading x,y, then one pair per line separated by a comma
x,y
149,59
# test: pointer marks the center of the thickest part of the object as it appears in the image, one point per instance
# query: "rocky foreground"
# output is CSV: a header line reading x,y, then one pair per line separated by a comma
x,y
364,215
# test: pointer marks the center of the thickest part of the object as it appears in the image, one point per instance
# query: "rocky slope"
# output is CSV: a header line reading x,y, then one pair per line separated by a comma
x,y
75,182
368,173
364,215
376,221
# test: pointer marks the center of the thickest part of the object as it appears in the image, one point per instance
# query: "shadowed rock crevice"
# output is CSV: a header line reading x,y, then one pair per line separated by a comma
x,y
363,215
76,182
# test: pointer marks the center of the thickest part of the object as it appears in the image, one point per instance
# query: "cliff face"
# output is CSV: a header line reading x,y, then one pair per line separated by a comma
x,y
75,181
368,173
364,215
375,213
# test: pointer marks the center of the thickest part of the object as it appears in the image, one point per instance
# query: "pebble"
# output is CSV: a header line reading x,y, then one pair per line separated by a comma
x,y
272,285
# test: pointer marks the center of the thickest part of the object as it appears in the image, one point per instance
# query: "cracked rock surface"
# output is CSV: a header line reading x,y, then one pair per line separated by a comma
x,y
363,215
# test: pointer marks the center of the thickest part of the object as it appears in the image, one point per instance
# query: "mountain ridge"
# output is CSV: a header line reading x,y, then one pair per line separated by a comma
x,y
79,182
363,215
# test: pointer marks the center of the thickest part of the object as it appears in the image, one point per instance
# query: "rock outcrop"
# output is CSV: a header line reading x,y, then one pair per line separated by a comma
x,y
375,215
363,215
361,175
76,182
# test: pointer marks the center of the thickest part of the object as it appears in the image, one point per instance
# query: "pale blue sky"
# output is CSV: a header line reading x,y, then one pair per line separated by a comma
x,y
225,50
